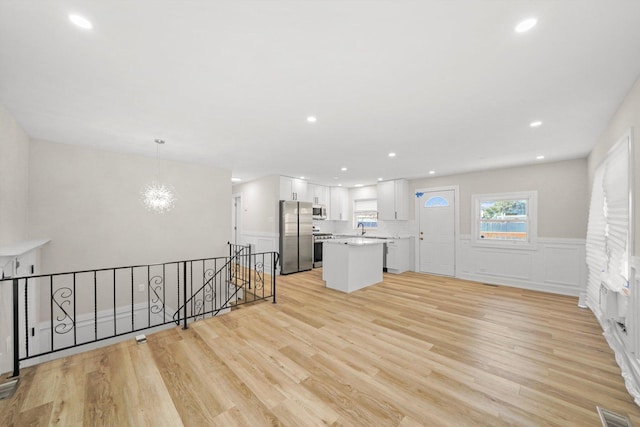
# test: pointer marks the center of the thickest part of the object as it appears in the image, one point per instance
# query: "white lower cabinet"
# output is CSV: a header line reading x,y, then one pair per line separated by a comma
x,y
399,255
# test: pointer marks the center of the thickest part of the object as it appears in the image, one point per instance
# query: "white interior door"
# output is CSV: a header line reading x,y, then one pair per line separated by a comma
x,y
437,232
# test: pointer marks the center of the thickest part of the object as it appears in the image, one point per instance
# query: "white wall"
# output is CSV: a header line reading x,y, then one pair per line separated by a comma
x,y
561,186
556,263
259,204
14,160
88,203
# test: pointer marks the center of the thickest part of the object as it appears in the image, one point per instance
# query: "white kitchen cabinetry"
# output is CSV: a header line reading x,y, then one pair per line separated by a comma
x,y
319,194
339,206
293,189
399,255
393,200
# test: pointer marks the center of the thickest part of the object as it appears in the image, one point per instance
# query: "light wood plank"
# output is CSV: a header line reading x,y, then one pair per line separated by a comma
x,y
413,350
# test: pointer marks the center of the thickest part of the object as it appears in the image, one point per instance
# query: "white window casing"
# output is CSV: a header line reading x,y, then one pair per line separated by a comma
x,y
368,208
531,219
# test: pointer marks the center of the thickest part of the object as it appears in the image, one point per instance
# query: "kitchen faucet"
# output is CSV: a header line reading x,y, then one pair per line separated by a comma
x,y
361,224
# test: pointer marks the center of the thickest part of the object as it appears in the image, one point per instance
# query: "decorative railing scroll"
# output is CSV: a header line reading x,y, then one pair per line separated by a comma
x,y
57,312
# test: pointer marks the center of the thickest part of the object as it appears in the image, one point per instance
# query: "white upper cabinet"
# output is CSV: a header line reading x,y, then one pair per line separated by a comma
x,y
319,194
339,207
393,200
293,189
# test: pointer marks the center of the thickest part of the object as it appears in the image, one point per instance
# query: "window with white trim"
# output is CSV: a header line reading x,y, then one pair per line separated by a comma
x,y
505,219
365,211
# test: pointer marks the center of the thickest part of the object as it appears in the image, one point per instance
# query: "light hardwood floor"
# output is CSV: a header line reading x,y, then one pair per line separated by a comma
x,y
414,350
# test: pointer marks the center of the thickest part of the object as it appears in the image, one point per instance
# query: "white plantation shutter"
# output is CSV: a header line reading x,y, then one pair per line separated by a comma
x,y
595,247
607,247
616,198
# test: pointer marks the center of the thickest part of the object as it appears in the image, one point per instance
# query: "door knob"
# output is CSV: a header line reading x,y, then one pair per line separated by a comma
x,y
422,238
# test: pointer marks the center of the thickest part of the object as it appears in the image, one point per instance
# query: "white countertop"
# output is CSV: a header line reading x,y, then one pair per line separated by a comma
x,y
355,241
373,236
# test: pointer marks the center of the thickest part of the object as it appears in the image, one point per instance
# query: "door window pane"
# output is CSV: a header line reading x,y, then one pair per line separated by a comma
x,y
436,202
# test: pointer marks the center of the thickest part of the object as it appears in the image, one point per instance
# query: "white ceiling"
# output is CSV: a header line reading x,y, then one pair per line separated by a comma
x,y
447,85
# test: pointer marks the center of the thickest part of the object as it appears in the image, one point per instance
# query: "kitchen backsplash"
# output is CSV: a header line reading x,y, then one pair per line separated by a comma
x,y
385,228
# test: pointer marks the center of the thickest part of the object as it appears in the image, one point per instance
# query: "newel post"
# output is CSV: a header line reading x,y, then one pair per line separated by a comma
x,y
184,309
16,332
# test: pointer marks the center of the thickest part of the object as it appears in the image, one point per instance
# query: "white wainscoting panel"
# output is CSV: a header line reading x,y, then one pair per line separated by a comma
x,y
504,264
554,265
261,241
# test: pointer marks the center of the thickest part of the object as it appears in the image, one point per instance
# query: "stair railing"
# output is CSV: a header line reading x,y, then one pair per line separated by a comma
x,y
54,313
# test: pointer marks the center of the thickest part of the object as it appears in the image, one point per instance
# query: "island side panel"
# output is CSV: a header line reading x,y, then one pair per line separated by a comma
x,y
335,262
349,267
365,266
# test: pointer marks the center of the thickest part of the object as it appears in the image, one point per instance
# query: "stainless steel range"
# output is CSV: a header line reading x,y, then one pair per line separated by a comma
x,y
318,239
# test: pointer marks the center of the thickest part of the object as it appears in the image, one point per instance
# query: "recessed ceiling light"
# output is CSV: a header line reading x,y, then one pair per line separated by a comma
x,y
312,119
539,157
379,179
526,25
392,154
535,124
343,169
358,185
80,21
236,179
432,172
339,185
302,177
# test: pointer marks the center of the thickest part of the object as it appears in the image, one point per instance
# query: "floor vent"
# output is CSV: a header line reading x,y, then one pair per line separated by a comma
x,y
8,388
611,419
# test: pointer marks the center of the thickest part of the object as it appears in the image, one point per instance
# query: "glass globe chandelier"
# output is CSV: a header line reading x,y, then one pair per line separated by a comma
x,y
158,197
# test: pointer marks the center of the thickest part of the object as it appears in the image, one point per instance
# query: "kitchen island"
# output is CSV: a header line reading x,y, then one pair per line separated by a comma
x,y
352,263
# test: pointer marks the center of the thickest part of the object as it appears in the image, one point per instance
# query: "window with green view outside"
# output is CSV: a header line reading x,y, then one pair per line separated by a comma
x,y
505,219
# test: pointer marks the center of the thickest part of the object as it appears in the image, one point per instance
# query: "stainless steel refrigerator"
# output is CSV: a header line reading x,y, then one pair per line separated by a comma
x,y
296,231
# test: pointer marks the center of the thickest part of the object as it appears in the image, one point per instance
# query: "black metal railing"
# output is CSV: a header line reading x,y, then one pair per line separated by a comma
x,y
57,312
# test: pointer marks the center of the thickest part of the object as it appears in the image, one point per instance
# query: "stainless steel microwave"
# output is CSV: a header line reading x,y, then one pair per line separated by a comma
x,y
319,212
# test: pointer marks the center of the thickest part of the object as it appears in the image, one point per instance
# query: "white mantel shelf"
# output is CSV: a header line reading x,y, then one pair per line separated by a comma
x,y
21,248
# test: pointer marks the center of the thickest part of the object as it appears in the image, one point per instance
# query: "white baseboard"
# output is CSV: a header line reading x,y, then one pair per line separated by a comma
x,y
522,284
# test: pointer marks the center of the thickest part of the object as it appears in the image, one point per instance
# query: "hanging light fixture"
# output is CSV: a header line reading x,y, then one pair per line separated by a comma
x,y
157,197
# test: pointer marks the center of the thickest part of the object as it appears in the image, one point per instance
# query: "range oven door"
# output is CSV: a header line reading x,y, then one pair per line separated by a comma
x,y
317,253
